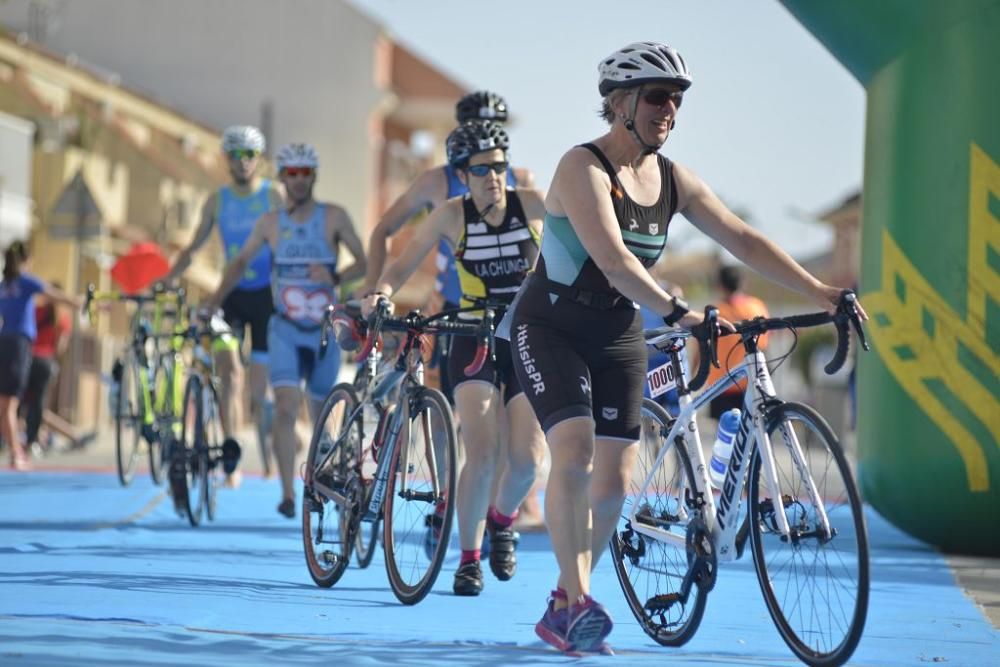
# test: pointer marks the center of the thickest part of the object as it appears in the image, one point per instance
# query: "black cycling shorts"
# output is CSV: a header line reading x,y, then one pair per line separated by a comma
x,y
499,373
577,361
253,308
15,363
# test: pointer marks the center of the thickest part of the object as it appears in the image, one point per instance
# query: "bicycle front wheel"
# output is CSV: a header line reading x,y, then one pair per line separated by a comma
x,y
128,416
189,452
331,487
649,570
210,451
815,583
420,495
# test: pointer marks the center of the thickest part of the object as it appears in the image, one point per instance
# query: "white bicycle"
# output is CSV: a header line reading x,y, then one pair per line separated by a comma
x,y
802,513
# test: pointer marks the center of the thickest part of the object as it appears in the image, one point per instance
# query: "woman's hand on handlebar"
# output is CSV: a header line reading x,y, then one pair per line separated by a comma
x,y
693,320
829,298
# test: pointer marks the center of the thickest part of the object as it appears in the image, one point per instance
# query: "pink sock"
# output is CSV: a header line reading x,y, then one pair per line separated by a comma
x,y
468,556
501,520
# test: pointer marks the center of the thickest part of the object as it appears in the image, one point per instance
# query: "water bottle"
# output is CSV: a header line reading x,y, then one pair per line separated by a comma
x,y
729,423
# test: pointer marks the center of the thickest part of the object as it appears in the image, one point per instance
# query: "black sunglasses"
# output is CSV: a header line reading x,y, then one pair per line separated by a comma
x,y
660,96
483,169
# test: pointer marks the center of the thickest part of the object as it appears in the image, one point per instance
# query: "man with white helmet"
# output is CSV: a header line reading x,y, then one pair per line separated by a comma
x,y
303,238
234,209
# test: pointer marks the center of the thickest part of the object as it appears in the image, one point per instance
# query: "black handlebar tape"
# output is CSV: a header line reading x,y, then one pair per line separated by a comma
x,y
843,346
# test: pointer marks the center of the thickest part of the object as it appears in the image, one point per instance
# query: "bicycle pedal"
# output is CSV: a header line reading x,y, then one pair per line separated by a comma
x,y
231,454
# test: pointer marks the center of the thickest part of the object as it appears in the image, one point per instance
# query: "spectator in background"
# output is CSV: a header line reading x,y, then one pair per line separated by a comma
x,y
17,333
52,328
735,306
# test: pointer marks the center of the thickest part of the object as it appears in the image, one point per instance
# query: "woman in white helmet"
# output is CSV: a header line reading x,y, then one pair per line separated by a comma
x,y
304,238
576,327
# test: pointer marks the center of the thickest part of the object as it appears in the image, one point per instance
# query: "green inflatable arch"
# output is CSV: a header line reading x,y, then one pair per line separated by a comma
x,y
929,395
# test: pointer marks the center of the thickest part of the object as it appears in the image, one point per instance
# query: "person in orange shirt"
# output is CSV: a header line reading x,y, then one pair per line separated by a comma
x,y
735,306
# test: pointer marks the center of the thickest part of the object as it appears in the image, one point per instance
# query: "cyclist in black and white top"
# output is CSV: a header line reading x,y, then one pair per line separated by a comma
x,y
494,231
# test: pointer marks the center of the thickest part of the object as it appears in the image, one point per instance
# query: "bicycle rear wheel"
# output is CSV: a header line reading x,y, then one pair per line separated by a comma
x,y
190,450
128,419
421,484
650,571
165,417
816,587
331,488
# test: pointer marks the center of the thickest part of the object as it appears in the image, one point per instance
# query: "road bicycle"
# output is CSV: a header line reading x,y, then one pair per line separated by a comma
x,y
201,453
146,385
802,512
406,477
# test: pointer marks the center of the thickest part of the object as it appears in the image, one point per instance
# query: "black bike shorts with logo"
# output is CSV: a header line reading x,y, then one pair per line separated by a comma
x,y
576,361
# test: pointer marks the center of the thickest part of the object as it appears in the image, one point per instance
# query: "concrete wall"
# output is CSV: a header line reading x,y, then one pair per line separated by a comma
x,y
16,204
312,61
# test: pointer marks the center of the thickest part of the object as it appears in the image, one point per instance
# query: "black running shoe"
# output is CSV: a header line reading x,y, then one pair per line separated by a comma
x,y
468,579
287,508
503,550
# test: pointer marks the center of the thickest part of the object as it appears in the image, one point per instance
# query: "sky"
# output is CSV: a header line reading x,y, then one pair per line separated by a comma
x,y
773,123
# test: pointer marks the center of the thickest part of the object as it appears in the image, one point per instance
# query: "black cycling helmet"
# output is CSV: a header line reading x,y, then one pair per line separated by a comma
x,y
472,137
481,104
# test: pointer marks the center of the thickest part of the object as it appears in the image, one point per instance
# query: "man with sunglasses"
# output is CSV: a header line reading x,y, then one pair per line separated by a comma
x,y
234,209
576,325
495,231
304,239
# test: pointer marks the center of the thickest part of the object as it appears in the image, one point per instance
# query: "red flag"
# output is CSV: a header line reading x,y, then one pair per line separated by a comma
x,y
139,268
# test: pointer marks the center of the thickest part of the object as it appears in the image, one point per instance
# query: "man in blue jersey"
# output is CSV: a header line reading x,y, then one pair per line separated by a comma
x,y
304,238
234,209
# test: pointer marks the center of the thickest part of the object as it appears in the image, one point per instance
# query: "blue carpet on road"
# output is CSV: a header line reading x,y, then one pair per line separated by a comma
x,y
94,573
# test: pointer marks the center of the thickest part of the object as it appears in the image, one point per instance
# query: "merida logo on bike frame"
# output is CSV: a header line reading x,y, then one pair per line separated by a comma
x,y
735,464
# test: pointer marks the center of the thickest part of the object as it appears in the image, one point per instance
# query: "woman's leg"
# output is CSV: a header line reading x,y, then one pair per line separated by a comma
x,y
34,407
567,504
477,404
525,454
614,461
8,429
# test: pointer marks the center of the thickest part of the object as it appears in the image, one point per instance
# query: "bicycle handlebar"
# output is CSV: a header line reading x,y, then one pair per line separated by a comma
x,y
707,333
380,320
159,295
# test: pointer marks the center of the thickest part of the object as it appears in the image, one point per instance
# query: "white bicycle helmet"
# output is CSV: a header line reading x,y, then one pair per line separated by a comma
x,y
639,63
242,137
297,155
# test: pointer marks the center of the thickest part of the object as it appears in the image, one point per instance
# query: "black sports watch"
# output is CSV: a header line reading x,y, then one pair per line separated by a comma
x,y
680,310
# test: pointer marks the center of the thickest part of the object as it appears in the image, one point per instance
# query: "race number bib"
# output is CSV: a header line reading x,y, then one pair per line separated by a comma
x,y
303,305
661,380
